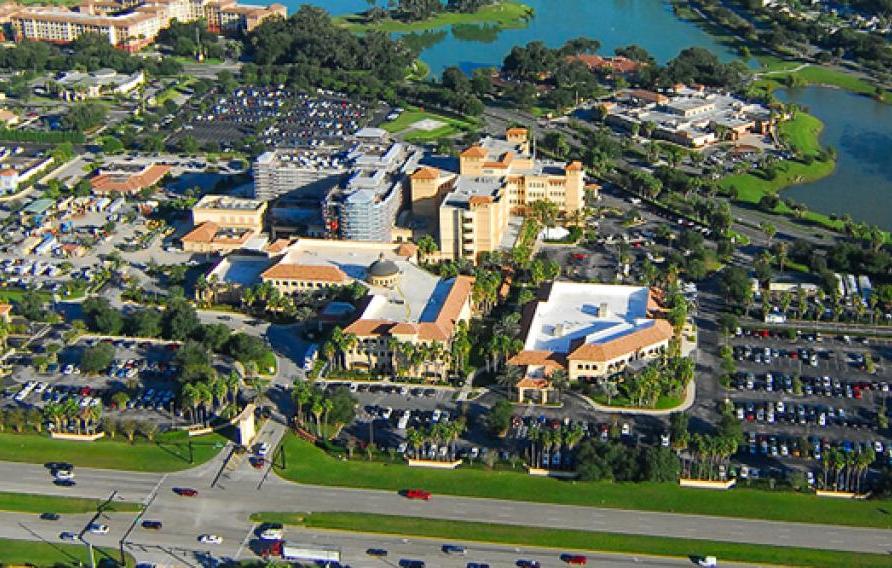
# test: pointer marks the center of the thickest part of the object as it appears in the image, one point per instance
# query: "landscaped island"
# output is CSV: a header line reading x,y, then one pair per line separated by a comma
x,y
503,15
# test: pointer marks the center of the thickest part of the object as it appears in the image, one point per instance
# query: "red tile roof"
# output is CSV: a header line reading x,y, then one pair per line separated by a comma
x,y
305,272
123,183
660,331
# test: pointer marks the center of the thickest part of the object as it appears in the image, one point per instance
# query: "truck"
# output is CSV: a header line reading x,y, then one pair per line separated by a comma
x,y
306,552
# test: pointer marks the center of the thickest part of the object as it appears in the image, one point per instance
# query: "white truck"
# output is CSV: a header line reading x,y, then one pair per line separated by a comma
x,y
310,553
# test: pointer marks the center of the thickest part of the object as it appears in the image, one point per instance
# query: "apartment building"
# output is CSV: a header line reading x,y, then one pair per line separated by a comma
x,y
130,25
471,199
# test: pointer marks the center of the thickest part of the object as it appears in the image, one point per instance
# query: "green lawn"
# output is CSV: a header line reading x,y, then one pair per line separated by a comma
x,y
412,115
167,453
803,132
34,553
505,15
12,295
575,540
29,503
816,75
307,464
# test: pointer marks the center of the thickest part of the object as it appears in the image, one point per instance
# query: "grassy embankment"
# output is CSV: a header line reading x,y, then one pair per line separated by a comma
x,y
307,464
576,540
504,15
41,554
412,115
166,453
777,74
29,503
803,133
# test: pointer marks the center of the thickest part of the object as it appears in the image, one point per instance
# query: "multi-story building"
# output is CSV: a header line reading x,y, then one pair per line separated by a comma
x,y
131,25
364,207
592,331
280,172
471,200
223,224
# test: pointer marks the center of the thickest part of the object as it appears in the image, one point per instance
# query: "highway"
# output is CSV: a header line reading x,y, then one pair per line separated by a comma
x,y
240,490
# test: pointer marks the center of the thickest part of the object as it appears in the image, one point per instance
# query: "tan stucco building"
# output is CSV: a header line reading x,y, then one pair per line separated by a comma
x,y
471,201
223,224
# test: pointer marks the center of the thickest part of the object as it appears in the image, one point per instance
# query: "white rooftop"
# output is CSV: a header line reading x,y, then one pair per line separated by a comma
x,y
596,312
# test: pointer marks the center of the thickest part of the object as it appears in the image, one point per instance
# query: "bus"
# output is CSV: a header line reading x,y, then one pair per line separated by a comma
x,y
310,553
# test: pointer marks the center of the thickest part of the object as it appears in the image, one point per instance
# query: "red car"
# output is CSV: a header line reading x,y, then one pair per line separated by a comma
x,y
258,463
575,559
185,492
418,494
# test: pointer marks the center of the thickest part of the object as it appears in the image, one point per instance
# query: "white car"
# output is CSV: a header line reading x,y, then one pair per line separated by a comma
x,y
386,413
64,474
272,534
68,369
263,449
210,539
97,528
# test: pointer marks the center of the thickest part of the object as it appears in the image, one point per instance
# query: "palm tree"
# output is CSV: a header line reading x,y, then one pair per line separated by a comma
x,y
327,406
560,381
415,438
219,390
189,399
509,376
317,409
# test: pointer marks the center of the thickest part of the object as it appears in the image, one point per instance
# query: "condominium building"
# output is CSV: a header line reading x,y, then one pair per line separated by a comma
x,y
130,25
471,199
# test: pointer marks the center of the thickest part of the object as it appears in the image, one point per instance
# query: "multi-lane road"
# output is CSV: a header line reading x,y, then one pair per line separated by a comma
x,y
227,499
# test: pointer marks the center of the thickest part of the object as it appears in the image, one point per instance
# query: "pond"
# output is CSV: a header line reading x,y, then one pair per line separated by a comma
x,y
860,129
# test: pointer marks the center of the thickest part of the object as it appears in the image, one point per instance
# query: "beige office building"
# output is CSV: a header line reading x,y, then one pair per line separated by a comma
x,y
494,179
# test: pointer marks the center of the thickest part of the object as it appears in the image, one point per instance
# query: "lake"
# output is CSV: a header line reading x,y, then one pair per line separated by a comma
x,y
648,23
861,131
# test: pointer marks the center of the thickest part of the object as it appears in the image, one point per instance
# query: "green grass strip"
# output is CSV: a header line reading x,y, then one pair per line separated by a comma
x,y
166,453
576,540
30,503
308,464
52,554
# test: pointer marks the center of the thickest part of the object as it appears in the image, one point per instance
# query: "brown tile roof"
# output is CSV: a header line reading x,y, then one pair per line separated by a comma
x,y
404,328
574,166
203,233
316,273
407,250
278,246
122,183
512,131
531,383
474,152
5,309
426,173
544,358
6,115
660,331
479,199
8,172
369,328
619,63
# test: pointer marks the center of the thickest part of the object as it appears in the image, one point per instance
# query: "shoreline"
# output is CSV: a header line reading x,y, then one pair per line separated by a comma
x,y
503,15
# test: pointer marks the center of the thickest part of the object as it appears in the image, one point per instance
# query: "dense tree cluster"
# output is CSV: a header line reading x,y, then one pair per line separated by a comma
x,y
83,116
90,52
311,51
613,461
188,39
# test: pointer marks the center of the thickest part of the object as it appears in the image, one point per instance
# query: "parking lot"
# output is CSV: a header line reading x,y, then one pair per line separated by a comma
x,y
798,397
143,370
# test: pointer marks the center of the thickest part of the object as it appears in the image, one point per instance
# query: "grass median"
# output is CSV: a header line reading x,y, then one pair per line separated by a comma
x,y
577,540
51,554
308,464
166,453
30,503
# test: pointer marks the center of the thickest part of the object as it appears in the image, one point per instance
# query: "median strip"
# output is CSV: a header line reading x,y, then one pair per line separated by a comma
x,y
575,540
32,503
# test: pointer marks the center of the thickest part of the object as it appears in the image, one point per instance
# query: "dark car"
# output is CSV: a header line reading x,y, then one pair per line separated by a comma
x,y
379,552
49,516
404,563
574,559
64,482
185,491
528,564
477,565
153,525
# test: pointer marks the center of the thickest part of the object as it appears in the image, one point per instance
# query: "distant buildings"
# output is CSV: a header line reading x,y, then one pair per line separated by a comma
x,y
127,24
76,85
609,65
224,224
472,198
129,179
690,117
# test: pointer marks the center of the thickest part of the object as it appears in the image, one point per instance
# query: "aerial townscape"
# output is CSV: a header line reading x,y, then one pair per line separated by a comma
x,y
445,283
